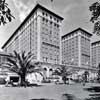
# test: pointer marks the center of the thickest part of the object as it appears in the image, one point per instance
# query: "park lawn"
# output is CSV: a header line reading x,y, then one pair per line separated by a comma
x,y
49,91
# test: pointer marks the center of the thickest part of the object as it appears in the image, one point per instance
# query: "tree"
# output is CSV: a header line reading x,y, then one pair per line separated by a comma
x,y
21,64
5,13
62,71
85,76
95,17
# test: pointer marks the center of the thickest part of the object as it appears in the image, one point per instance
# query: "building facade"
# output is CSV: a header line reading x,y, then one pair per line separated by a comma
x,y
76,48
3,60
39,34
3,57
95,53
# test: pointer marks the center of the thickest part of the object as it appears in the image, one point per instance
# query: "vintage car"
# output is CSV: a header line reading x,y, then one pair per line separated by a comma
x,y
12,79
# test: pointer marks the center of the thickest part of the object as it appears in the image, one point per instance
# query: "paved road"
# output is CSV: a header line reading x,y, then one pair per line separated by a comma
x,y
46,91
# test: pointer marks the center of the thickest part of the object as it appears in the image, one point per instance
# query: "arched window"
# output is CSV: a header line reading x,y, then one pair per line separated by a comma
x,y
50,69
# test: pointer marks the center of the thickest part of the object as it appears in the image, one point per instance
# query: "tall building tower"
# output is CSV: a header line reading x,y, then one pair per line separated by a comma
x,y
39,34
95,53
76,48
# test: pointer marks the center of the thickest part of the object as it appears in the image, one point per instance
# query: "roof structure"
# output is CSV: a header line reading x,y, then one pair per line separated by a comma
x,y
95,42
76,31
95,38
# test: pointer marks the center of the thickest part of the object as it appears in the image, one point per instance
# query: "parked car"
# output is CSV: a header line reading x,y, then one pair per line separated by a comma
x,y
70,81
12,79
55,79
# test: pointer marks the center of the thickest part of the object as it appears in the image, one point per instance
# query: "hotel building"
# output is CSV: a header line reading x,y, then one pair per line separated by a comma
x,y
95,53
39,34
76,48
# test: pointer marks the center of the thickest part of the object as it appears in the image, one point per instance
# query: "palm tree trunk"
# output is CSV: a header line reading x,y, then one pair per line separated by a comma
x,y
23,80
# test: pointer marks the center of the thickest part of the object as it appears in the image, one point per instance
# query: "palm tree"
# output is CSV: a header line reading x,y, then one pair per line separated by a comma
x,y
61,71
21,64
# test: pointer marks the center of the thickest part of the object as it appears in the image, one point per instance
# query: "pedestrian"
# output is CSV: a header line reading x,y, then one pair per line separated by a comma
x,y
7,81
84,79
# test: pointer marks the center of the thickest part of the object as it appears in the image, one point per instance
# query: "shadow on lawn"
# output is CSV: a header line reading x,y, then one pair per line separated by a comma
x,y
64,97
69,97
41,99
94,92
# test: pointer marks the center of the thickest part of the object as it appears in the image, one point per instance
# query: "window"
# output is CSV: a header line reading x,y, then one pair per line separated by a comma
x,y
57,21
50,17
50,32
46,20
43,13
57,26
46,14
54,24
43,19
50,22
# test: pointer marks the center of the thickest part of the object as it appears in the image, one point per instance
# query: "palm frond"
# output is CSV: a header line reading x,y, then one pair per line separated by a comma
x,y
12,61
15,53
14,70
6,65
29,56
11,67
23,55
20,60
28,63
28,60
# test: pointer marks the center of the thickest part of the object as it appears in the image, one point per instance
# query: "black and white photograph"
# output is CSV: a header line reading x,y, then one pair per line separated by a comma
x,y
49,49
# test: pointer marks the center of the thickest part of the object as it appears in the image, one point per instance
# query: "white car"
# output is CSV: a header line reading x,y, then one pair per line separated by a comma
x,y
56,79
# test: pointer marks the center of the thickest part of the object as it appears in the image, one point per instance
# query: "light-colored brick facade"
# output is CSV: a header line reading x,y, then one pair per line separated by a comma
x,y
95,53
76,48
39,34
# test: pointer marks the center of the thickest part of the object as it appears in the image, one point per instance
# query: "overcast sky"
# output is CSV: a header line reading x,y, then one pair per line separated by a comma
x,y
75,12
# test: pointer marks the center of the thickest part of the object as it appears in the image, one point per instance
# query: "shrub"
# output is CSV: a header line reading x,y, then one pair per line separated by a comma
x,y
2,81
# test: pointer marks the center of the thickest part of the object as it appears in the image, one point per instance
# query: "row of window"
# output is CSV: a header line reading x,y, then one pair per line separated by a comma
x,y
69,62
23,38
50,60
51,17
95,55
49,23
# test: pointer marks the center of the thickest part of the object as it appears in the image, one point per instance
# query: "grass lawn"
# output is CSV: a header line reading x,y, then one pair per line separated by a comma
x,y
46,91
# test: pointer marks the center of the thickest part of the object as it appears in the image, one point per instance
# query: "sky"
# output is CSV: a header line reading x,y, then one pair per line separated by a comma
x,y
75,13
